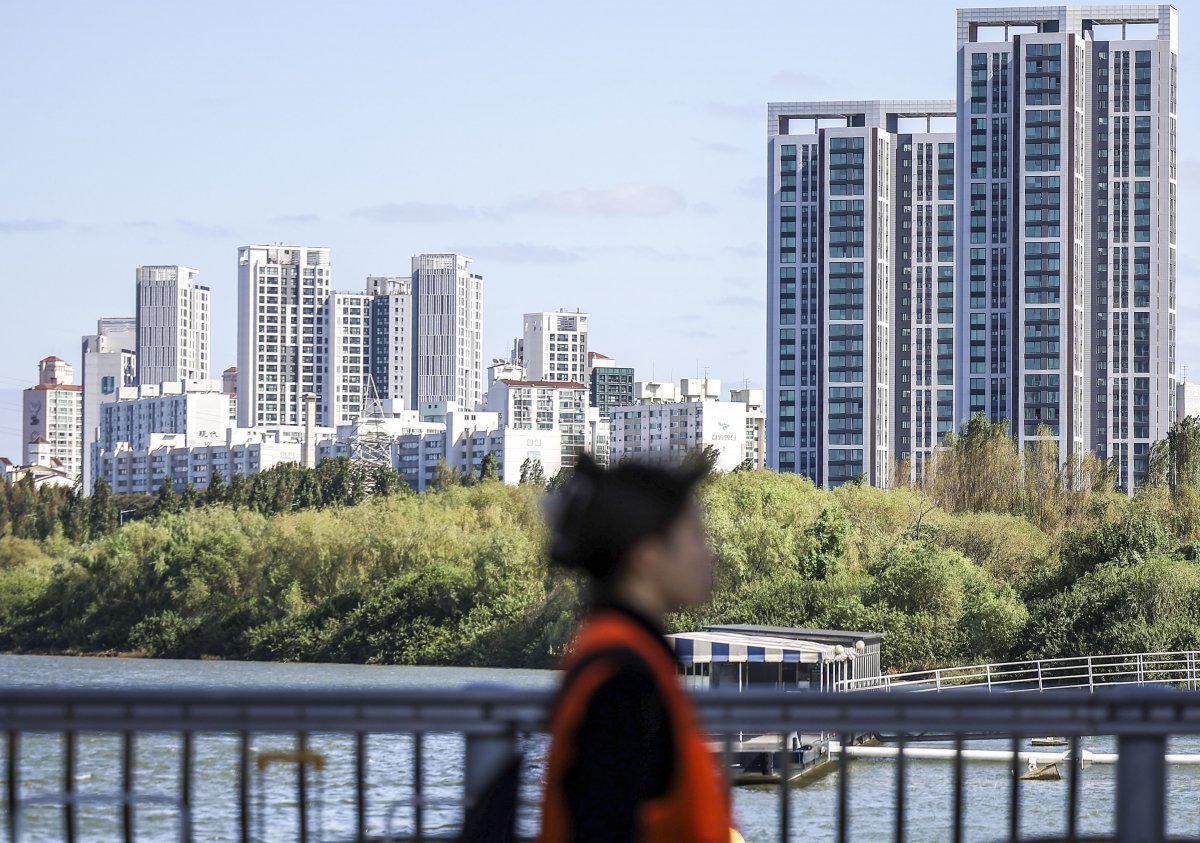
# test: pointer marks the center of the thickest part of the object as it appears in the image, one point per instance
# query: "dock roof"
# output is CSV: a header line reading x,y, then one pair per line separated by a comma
x,y
732,647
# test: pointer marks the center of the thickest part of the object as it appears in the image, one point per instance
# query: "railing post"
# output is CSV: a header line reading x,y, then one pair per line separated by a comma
x,y
1140,677
988,668
486,756
1039,666
1091,676
937,678
1141,788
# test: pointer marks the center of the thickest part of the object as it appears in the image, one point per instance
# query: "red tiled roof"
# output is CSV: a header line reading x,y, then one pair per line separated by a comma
x,y
66,387
53,359
592,354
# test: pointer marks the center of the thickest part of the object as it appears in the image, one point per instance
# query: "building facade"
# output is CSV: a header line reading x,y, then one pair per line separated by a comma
x,y
392,340
349,356
52,419
609,385
448,320
667,432
856,202
554,346
545,406
1022,267
283,333
173,325
109,363
196,410
130,470
1067,149
756,424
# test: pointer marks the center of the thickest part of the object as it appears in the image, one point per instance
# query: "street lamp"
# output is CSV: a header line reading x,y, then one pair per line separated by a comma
x,y
121,516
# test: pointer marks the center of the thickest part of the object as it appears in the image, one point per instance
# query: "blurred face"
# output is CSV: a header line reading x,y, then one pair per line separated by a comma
x,y
675,569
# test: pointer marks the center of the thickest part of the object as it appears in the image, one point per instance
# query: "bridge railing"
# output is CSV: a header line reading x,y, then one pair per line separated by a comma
x,y
379,765
1177,668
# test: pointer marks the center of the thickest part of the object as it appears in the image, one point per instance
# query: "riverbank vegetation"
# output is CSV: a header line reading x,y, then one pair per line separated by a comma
x,y
996,555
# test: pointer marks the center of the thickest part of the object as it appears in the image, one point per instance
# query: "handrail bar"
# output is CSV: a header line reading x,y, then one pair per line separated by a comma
x,y
45,709
1154,666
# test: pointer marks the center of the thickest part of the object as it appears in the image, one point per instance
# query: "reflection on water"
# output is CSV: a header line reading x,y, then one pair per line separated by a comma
x,y
273,792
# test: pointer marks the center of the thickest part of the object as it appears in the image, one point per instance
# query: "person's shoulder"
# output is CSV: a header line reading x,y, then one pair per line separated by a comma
x,y
617,672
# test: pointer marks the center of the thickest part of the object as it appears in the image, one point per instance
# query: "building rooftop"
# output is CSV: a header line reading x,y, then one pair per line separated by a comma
x,y
823,636
67,387
733,647
881,114
554,384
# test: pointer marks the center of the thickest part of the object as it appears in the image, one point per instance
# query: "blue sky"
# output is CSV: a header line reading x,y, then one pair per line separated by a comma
x,y
609,157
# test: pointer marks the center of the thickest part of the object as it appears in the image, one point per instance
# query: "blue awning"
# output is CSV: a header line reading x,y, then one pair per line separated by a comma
x,y
734,648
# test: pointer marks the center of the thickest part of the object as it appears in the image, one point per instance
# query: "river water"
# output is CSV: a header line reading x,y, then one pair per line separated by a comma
x,y
813,807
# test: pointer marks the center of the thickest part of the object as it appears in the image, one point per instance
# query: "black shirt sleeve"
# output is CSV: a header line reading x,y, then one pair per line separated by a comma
x,y
624,757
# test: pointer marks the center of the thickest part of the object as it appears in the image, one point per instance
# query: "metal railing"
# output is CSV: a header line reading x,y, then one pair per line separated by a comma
x,y
1180,669
185,758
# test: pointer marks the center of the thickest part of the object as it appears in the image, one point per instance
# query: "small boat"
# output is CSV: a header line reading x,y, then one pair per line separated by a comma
x,y
1049,741
1049,773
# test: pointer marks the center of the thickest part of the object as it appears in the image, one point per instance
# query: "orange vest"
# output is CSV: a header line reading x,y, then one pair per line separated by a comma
x,y
695,806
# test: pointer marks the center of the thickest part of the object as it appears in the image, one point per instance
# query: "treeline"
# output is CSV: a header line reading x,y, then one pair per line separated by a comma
x,y
997,555
45,512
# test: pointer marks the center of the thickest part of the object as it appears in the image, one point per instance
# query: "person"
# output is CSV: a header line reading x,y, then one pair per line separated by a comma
x,y
628,760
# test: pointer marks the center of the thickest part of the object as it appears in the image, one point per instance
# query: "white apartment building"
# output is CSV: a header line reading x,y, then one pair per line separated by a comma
x,y
283,339
197,410
448,316
109,363
52,423
173,325
349,321
229,380
544,406
650,392
667,432
465,439
392,338
756,423
505,370
132,470
554,346
1187,400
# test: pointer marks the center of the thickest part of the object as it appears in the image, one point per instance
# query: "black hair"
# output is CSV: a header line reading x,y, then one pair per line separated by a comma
x,y
599,514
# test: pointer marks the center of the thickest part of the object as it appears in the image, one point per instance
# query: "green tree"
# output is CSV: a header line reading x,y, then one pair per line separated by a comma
x,y
1175,460
168,499
23,508
5,504
489,468
444,477
708,456
75,516
216,491
102,512
532,473
235,496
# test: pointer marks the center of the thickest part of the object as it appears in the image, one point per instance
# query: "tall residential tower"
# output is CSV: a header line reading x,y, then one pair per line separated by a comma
x,y
173,325
283,333
1067,155
448,320
860,301
1022,267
